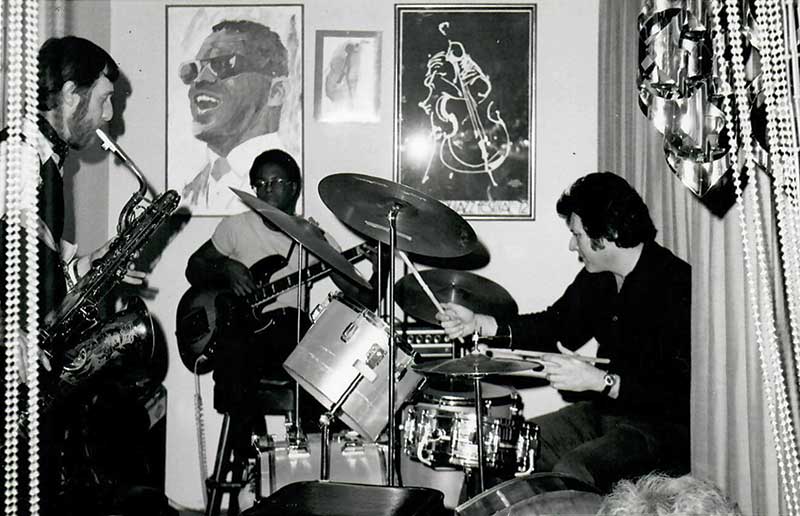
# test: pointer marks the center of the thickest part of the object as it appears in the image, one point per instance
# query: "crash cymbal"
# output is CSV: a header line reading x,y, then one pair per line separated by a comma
x,y
473,365
424,225
305,233
475,292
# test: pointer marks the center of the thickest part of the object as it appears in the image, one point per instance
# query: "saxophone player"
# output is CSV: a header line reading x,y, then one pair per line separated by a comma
x,y
76,83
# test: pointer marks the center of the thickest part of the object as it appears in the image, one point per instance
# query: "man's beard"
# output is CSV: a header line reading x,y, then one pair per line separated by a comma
x,y
81,129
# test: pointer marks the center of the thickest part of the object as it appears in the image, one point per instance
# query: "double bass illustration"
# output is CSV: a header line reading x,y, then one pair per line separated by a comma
x,y
470,134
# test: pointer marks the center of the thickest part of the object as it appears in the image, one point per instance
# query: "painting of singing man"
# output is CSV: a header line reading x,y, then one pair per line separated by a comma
x,y
234,90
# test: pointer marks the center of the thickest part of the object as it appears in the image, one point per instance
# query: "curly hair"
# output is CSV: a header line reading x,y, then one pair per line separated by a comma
x,y
609,208
71,59
660,495
263,42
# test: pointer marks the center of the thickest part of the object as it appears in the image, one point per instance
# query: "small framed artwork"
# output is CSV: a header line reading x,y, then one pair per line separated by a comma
x,y
234,81
347,76
465,106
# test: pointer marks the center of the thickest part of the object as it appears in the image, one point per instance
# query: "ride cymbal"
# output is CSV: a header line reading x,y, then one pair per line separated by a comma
x,y
306,234
474,365
475,292
424,225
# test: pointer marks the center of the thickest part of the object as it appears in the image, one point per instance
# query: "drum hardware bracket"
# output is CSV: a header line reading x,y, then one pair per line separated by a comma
x,y
325,421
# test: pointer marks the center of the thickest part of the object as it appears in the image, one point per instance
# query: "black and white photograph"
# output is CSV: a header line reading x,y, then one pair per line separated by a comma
x,y
380,258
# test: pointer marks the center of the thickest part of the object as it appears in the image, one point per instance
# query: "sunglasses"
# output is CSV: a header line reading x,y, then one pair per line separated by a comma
x,y
271,182
221,66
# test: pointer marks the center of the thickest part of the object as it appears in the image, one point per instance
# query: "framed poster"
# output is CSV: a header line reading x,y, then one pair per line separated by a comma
x,y
464,109
234,89
347,76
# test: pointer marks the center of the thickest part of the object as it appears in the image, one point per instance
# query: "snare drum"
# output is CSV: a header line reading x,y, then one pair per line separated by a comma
x,y
440,431
347,342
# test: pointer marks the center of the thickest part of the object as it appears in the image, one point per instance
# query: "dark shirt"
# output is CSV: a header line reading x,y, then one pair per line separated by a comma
x,y
644,329
50,209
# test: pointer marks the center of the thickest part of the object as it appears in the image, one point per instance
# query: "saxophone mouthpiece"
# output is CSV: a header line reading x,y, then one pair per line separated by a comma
x,y
105,141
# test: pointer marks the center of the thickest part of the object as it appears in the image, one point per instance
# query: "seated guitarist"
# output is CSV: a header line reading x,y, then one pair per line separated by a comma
x,y
247,351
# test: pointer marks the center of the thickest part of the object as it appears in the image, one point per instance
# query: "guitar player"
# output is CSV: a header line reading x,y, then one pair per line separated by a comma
x,y
247,350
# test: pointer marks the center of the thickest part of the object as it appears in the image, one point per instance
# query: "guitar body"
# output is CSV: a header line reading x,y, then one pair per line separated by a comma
x,y
201,311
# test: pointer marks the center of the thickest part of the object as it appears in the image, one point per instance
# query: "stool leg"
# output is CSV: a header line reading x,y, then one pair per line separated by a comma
x,y
222,465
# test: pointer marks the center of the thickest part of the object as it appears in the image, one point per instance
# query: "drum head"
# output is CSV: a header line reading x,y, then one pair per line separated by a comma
x,y
465,396
536,494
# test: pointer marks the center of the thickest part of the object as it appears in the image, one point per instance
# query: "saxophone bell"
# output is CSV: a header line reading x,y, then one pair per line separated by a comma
x,y
127,334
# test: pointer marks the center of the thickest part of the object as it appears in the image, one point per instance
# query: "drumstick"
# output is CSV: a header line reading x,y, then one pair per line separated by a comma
x,y
529,373
545,355
425,287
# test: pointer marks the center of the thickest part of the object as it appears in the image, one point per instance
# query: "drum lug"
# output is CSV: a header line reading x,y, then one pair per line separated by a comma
x,y
348,332
316,312
527,449
352,443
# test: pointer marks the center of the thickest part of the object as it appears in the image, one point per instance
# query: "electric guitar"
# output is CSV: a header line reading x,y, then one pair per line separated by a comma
x,y
196,320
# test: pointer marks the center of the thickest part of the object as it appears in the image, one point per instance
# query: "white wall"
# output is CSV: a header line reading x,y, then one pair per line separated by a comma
x,y
530,258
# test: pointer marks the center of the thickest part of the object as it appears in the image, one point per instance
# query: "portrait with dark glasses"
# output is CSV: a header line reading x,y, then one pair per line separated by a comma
x,y
224,66
237,83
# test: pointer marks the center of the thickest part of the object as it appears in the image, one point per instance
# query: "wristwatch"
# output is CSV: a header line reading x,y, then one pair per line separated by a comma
x,y
609,380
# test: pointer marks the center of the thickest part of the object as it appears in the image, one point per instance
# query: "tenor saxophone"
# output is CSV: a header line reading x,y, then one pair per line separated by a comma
x,y
79,313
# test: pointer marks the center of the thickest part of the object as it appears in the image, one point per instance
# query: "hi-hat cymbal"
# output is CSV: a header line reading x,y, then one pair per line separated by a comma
x,y
424,225
475,292
475,365
305,233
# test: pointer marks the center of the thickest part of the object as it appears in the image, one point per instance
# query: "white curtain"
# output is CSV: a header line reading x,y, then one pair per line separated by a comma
x,y
731,438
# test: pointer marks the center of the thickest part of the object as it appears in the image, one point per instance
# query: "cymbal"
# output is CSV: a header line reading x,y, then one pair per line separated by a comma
x,y
424,225
473,365
305,233
477,293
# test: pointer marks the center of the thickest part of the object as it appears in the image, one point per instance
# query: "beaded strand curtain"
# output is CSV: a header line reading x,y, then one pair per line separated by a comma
x,y
23,23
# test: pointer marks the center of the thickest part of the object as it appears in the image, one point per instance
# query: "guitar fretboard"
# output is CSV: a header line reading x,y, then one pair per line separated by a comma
x,y
266,293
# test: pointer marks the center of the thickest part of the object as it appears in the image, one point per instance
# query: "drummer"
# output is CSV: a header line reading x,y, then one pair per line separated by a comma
x,y
633,296
247,354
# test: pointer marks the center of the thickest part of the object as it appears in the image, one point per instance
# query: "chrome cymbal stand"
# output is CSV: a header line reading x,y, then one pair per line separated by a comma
x,y
479,427
302,259
392,217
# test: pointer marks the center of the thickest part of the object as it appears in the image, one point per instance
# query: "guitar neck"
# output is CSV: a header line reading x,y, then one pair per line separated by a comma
x,y
266,293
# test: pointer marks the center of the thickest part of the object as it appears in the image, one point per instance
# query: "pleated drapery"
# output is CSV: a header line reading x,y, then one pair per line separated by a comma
x,y
732,441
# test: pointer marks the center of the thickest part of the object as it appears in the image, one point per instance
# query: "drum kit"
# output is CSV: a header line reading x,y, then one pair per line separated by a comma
x,y
348,363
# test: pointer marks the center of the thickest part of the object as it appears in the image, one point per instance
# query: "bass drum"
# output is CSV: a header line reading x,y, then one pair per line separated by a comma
x,y
536,494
